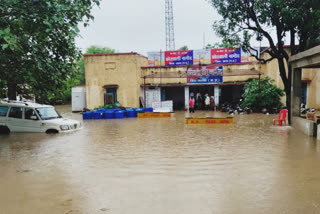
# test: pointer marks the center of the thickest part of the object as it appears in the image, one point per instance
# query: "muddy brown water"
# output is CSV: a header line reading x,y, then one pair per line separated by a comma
x,y
137,166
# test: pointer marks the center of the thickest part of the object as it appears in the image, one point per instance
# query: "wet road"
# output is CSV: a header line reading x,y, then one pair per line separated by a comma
x,y
161,166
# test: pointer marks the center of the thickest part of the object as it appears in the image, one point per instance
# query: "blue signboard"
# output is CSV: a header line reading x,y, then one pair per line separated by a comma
x,y
205,75
206,80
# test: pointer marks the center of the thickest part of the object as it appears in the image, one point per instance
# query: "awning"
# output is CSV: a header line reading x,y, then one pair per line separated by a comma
x,y
110,86
185,84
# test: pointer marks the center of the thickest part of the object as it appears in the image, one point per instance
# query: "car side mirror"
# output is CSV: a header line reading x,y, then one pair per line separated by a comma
x,y
34,118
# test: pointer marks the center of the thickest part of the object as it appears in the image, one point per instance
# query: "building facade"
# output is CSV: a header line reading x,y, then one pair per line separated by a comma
x,y
126,78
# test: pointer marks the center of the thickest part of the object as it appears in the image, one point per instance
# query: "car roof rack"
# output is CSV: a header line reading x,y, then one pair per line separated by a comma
x,y
15,101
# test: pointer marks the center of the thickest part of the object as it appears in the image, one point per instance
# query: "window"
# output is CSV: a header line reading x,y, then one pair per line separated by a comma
x,y
47,113
111,96
29,112
3,111
16,112
304,93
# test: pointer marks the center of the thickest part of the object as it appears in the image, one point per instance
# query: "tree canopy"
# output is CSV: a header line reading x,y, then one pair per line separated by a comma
x,y
183,48
223,44
244,20
64,92
95,49
37,42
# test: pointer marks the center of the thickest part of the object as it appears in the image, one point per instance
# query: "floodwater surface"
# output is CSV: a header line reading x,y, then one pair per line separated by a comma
x,y
161,166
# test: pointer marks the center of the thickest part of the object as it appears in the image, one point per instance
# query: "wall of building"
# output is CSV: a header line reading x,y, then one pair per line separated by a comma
x,y
113,69
312,77
126,71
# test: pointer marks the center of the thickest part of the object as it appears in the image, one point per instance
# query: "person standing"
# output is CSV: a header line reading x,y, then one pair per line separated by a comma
x,y
191,105
212,103
207,101
199,101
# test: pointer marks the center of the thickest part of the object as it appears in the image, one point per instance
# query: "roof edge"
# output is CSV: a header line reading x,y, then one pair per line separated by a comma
x,y
115,54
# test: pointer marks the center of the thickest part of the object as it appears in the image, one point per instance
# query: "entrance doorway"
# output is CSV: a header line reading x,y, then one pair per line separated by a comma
x,y
176,94
202,90
231,93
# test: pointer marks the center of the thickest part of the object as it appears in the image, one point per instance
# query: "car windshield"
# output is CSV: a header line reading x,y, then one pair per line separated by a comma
x,y
47,113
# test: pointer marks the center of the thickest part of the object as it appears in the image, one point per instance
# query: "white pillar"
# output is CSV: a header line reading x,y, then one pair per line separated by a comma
x,y
186,97
216,94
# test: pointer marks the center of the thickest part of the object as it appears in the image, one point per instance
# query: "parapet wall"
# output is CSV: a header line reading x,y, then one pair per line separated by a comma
x,y
308,127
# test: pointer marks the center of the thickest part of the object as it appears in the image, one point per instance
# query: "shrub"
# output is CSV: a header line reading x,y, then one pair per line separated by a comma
x,y
269,95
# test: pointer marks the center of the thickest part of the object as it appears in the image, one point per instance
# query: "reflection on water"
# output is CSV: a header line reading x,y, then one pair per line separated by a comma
x,y
161,166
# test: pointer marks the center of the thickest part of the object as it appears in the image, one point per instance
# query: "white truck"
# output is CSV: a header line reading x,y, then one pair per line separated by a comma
x,y
17,116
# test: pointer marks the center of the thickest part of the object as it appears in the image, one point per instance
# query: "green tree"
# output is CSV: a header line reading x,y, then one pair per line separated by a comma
x,y
37,43
224,44
269,96
94,49
297,19
183,48
64,93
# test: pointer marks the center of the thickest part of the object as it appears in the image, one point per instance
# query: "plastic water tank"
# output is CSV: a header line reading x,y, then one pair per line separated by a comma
x,y
148,109
119,114
109,114
140,110
131,113
98,115
87,115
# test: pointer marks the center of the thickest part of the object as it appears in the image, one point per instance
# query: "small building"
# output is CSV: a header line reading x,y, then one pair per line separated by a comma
x,y
128,79
113,78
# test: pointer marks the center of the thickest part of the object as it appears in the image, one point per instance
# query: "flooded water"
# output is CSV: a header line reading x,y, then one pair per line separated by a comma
x,y
158,166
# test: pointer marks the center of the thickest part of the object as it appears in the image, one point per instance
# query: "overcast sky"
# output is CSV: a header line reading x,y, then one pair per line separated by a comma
x,y
139,25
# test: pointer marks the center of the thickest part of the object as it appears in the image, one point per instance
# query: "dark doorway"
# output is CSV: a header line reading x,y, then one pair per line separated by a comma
x,y
203,90
231,93
304,93
176,94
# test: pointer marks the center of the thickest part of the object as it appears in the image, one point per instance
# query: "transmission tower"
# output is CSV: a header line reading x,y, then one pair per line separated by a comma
x,y
170,46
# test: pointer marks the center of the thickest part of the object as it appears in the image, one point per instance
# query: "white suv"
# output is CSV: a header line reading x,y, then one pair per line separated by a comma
x,y
18,116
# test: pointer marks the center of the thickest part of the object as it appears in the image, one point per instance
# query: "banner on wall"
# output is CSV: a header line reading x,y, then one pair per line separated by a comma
x,y
156,58
178,57
201,57
194,57
225,55
205,75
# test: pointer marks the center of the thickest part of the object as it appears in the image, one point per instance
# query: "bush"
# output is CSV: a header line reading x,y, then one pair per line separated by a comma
x,y
269,95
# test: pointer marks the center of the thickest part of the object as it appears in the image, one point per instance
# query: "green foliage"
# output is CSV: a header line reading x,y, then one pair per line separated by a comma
x,y
78,77
183,48
37,42
109,106
224,44
256,18
3,91
245,20
269,95
94,49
